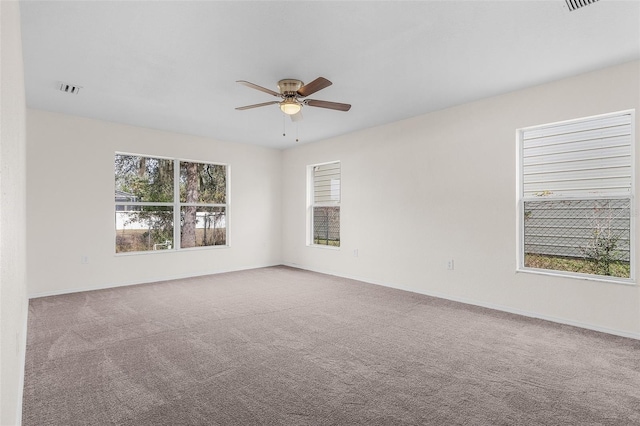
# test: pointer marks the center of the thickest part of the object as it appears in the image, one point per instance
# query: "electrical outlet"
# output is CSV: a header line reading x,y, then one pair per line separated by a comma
x,y
355,253
450,265
84,259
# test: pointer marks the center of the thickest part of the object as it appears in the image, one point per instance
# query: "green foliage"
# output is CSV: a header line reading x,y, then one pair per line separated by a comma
x,y
602,251
602,248
211,183
148,179
325,242
619,268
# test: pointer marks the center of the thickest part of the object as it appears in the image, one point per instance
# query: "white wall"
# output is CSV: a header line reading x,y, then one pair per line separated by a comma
x,y
446,183
70,169
13,281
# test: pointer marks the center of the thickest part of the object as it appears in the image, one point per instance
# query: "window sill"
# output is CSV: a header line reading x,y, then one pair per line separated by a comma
x,y
153,252
325,247
579,276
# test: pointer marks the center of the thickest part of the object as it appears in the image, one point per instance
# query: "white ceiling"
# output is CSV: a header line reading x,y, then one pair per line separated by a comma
x,y
173,65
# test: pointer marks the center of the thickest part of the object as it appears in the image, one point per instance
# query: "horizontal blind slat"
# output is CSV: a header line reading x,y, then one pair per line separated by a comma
x,y
592,134
577,146
577,126
582,158
326,183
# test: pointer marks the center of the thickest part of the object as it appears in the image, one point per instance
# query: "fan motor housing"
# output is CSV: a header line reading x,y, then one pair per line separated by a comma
x,y
289,86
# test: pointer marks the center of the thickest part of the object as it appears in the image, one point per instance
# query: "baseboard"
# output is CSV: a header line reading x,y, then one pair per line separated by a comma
x,y
482,304
144,281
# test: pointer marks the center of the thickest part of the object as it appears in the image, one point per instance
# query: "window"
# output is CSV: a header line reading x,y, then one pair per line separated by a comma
x,y
324,204
152,194
576,195
203,209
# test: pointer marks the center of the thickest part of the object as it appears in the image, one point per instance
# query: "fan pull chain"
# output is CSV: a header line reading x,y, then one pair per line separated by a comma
x,y
297,127
284,133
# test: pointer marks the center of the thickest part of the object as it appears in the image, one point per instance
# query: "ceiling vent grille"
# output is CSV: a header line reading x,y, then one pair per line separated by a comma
x,y
69,88
577,4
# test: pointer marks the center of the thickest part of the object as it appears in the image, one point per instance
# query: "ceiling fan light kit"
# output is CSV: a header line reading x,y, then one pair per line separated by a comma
x,y
290,106
291,90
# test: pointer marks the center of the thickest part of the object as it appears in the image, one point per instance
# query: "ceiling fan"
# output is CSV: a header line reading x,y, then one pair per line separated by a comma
x,y
291,91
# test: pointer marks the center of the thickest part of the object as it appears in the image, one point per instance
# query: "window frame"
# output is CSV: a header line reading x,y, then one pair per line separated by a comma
x,y
521,199
177,205
311,205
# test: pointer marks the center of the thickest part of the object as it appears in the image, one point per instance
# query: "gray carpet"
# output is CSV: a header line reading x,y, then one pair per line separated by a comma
x,y
280,346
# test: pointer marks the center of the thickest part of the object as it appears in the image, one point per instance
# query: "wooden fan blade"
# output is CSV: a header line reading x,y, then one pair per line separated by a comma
x,y
260,88
311,88
297,116
329,105
257,105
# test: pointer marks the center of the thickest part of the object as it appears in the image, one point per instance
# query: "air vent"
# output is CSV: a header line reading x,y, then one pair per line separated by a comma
x,y
69,88
577,4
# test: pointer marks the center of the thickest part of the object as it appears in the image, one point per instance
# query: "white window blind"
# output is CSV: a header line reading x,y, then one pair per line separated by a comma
x,y
578,159
326,183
